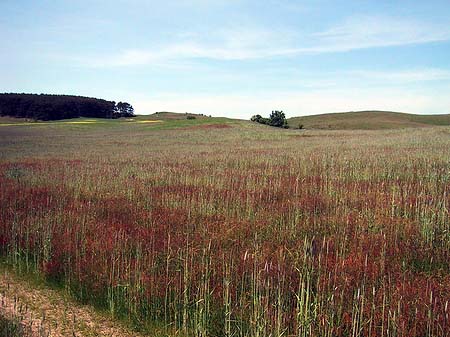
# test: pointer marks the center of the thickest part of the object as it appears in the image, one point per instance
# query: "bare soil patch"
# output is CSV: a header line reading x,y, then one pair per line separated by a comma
x,y
47,312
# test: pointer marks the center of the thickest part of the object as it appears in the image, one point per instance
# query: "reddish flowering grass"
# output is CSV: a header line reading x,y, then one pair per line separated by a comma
x,y
242,231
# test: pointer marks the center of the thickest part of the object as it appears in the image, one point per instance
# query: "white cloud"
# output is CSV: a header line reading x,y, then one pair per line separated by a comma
x,y
372,31
417,75
363,78
226,44
256,43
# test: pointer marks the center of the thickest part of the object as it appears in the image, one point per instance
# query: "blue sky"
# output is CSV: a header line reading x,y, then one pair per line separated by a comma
x,y
232,58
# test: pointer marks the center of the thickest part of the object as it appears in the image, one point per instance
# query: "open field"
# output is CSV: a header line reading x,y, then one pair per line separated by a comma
x,y
368,120
160,121
219,227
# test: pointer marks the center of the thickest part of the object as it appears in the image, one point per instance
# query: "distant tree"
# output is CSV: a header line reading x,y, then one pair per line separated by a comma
x,y
124,109
190,117
259,119
276,119
256,118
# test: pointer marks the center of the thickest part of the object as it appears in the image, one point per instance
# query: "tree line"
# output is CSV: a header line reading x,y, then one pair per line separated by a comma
x,y
53,107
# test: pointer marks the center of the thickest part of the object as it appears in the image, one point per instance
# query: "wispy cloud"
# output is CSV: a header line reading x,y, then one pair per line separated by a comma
x,y
258,43
417,75
226,44
373,31
363,78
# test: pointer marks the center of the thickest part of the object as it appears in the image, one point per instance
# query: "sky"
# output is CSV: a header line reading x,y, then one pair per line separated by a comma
x,y
232,58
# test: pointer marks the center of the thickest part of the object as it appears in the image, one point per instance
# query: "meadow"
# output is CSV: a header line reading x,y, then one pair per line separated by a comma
x,y
217,227
369,120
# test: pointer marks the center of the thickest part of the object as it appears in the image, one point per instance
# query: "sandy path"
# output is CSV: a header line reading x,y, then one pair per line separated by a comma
x,y
48,312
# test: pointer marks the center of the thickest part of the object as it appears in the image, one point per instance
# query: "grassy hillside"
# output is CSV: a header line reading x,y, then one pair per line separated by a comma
x,y
368,120
160,120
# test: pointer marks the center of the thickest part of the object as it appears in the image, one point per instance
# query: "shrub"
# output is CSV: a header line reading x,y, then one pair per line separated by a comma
x,y
276,119
259,119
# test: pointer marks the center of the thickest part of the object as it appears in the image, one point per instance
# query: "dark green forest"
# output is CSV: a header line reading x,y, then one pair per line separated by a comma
x,y
54,107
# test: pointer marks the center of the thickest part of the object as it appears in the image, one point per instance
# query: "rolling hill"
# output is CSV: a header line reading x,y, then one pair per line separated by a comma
x,y
368,120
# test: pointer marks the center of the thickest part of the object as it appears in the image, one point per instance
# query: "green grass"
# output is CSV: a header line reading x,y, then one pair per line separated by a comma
x,y
10,328
160,121
361,120
368,120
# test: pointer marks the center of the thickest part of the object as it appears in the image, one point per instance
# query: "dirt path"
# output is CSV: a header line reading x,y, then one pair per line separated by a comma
x,y
47,312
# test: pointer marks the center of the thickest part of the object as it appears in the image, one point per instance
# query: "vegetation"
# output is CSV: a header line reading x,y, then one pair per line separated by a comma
x,y
13,327
123,109
276,119
10,328
233,232
53,107
32,307
369,120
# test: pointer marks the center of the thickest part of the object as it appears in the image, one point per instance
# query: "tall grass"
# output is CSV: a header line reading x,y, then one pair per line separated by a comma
x,y
233,233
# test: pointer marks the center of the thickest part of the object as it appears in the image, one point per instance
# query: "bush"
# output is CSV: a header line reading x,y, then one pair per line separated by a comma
x,y
259,119
190,117
276,119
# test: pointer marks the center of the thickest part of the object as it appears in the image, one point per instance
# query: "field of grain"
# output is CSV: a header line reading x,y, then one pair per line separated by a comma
x,y
227,228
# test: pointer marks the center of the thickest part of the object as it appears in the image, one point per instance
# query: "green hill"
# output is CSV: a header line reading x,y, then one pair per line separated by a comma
x,y
368,120
156,121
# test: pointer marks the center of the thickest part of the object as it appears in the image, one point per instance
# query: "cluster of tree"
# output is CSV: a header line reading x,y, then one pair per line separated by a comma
x,y
277,119
123,109
52,107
